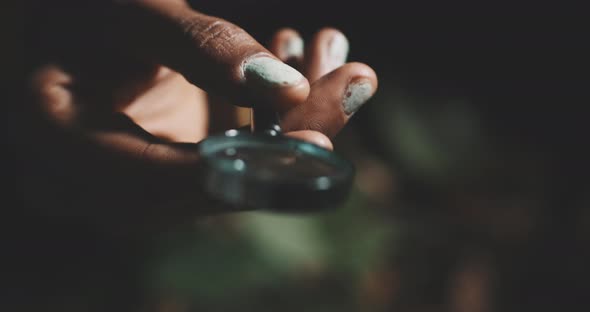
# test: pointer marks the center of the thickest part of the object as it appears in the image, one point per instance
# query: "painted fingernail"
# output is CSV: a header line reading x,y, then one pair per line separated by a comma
x,y
293,48
357,93
270,72
338,50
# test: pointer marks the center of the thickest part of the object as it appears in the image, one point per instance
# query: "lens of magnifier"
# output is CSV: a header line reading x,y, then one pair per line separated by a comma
x,y
273,172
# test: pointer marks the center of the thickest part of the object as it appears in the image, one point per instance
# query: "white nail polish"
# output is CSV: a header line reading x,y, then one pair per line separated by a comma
x,y
294,47
270,72
338,50
356,95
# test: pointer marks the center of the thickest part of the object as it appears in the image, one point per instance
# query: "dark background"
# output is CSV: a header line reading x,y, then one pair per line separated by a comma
x,y
472,191
481,119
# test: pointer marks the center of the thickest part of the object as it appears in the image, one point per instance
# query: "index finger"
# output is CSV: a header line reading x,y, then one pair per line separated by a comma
x,y
212,53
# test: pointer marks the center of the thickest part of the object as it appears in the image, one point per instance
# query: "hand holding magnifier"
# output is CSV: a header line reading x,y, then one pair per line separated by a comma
x,y
263,169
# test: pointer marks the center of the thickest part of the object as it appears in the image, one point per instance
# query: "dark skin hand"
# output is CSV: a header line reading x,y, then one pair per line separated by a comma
x,y
103,149
123,107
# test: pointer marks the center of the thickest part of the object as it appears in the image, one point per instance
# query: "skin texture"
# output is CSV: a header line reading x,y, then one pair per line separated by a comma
x,y
123,127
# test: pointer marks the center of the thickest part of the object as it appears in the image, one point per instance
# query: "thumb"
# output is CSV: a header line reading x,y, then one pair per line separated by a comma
x,y
210,52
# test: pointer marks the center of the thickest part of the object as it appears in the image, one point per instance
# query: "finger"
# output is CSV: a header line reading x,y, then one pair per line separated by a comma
x,y
147,175
314,137
287,45
333,100
210,52
49,86
134,147
171,108
327,51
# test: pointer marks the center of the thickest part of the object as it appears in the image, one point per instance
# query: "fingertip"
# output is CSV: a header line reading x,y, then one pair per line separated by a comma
x,y
287,45
361,85
284,99
362,70
335,43
278,85
313,137
356,74
333,100
327,51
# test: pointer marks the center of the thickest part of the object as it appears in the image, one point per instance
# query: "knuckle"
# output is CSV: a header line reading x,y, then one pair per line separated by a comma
x,y
315,125
327,123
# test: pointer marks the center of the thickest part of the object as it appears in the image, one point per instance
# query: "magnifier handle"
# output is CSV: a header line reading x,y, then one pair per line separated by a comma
x,y
265,120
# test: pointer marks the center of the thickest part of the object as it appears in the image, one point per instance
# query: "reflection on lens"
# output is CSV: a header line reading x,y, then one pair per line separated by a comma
x,y
273,172
275,163
239,165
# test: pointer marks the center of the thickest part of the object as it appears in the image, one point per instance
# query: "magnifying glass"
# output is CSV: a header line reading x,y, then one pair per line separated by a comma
x,y
263,169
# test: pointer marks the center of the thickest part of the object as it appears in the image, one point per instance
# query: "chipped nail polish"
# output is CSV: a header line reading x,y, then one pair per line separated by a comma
x,y
293,47
357,93
338,50
270,72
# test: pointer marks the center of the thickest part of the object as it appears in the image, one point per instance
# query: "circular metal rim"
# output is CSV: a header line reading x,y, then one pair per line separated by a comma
x,y
236,139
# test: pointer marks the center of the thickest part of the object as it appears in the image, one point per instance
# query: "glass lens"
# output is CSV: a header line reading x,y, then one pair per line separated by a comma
x,y
264,171
275,163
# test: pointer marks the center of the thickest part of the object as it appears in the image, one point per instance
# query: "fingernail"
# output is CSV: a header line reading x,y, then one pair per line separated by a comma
x,y
293,47
270,72
338,50
357,93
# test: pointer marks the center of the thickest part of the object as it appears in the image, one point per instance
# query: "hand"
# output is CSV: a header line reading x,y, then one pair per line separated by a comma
x,y
124,109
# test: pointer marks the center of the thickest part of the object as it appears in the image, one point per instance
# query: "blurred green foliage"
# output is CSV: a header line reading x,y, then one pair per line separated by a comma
x,y
226,262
